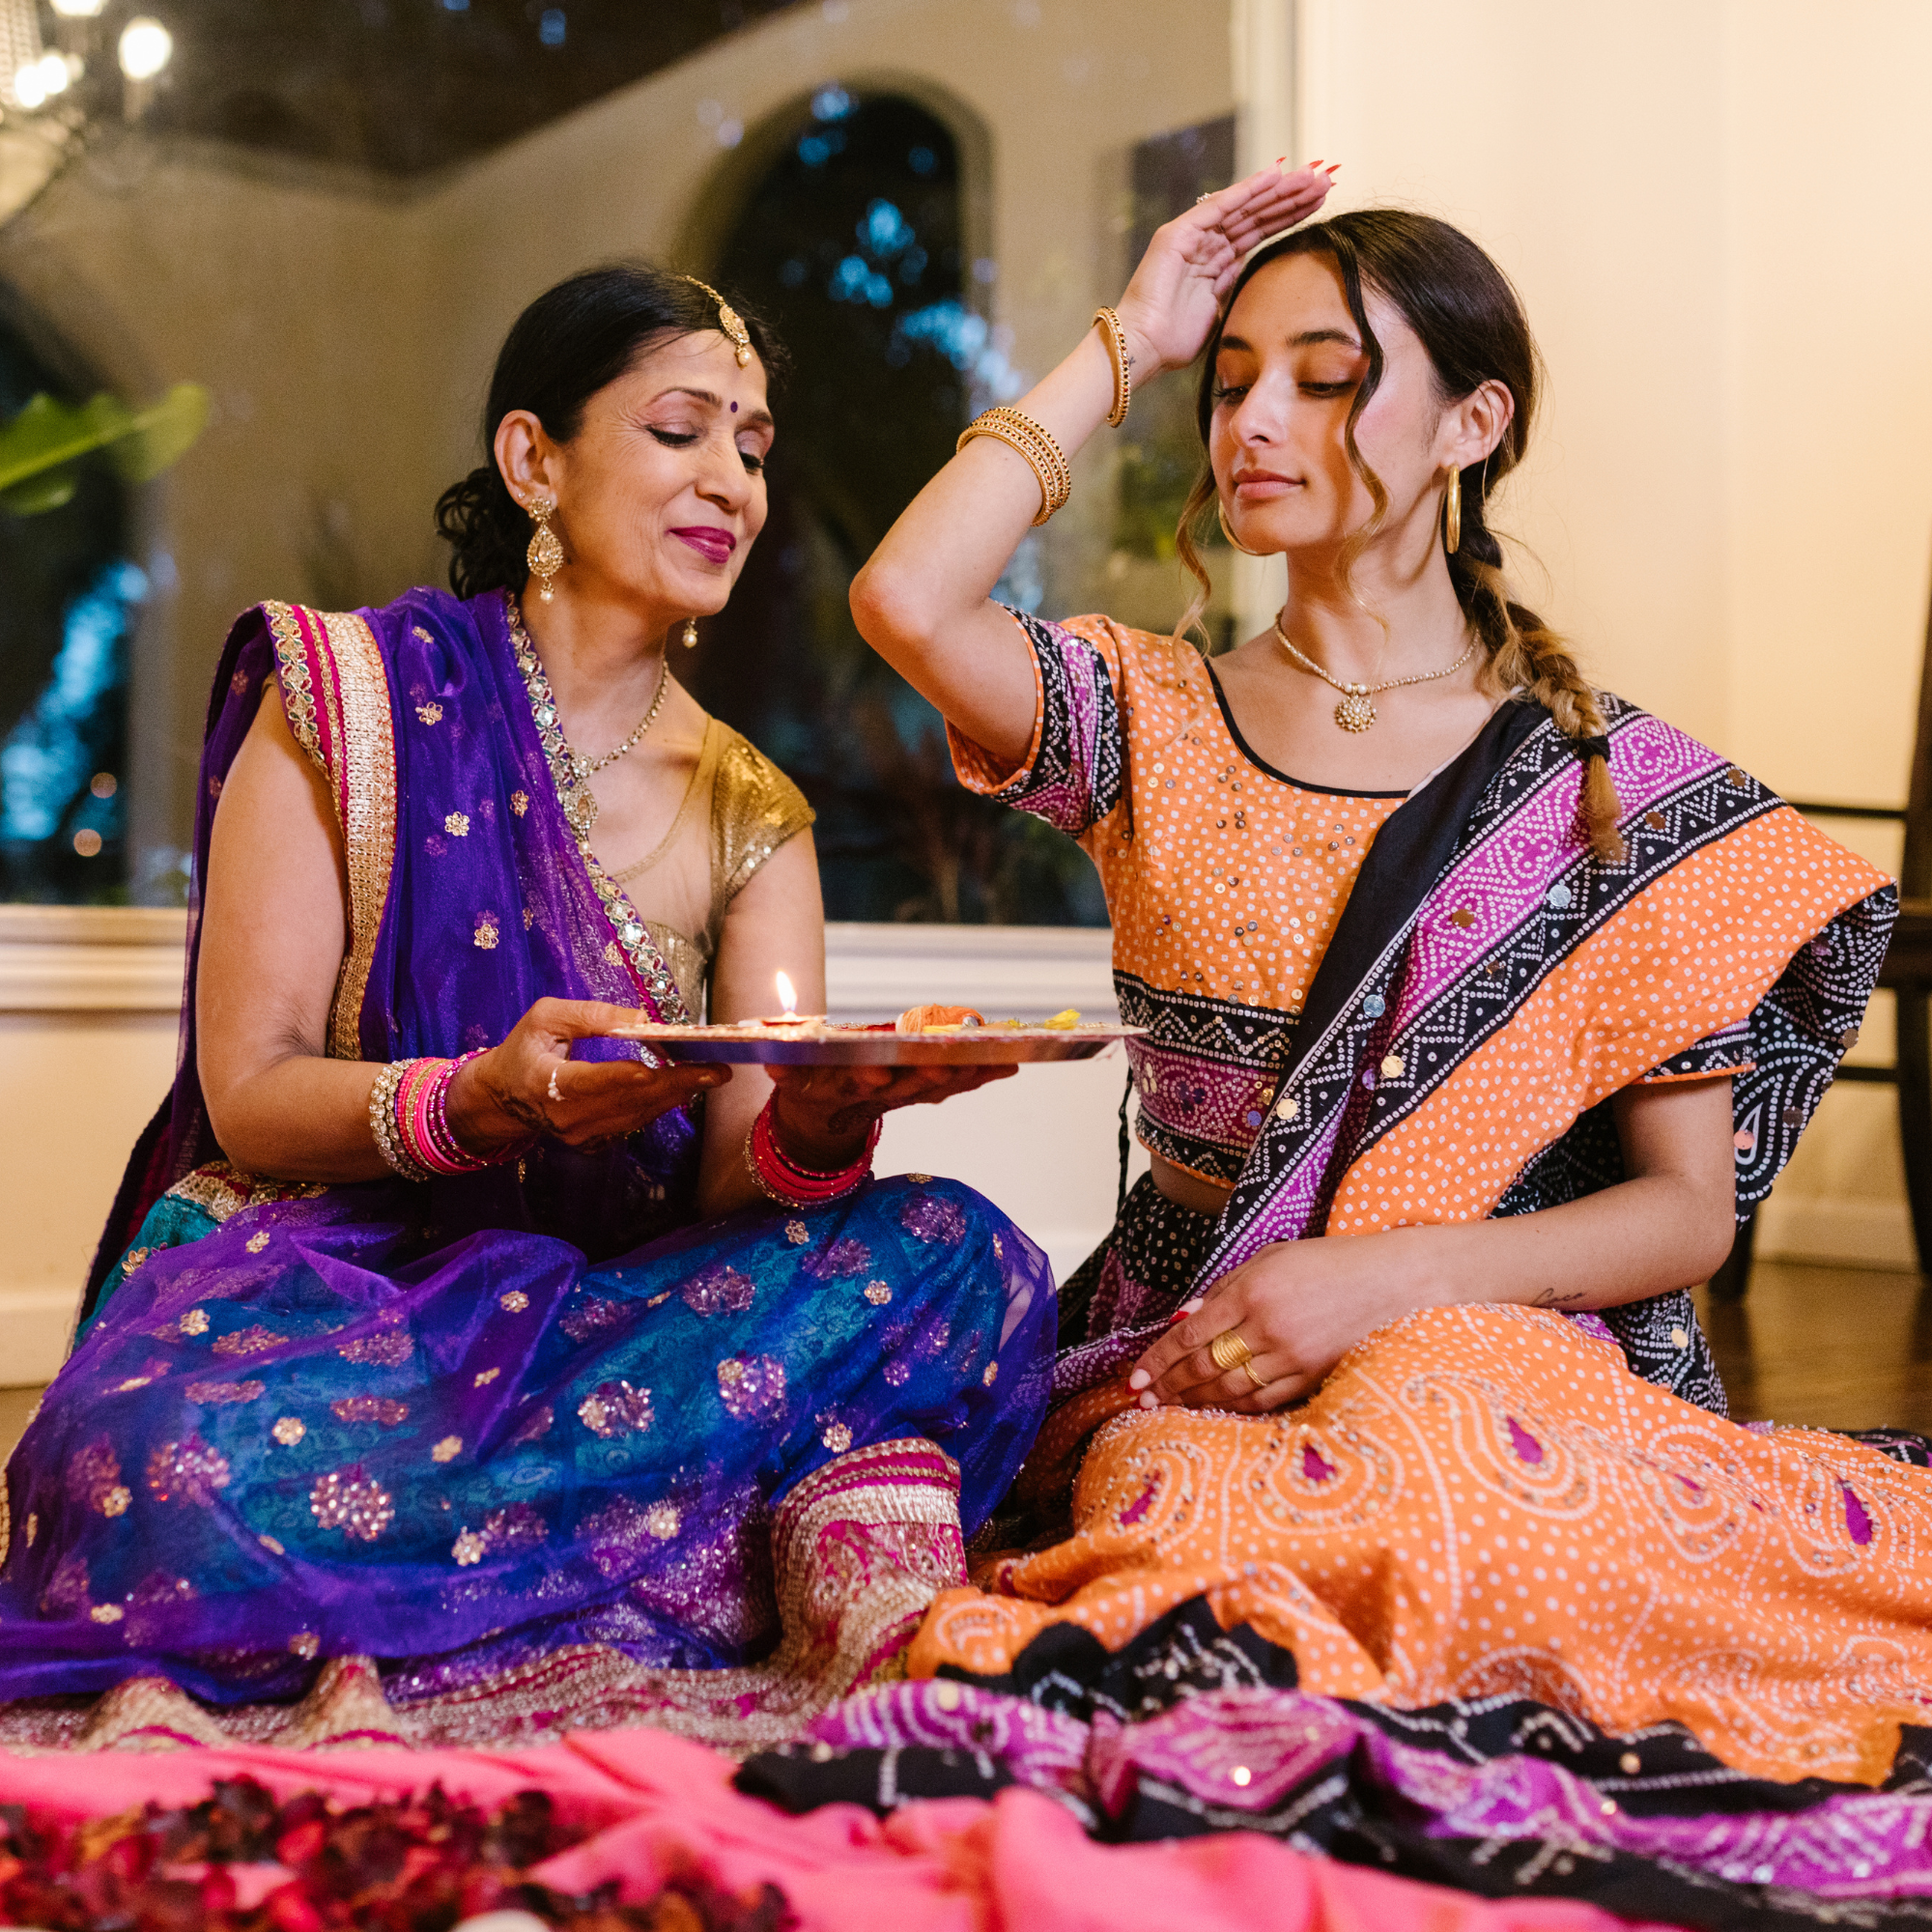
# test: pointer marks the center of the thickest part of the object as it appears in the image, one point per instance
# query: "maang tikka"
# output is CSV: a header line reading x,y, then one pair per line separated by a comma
x,y
545,556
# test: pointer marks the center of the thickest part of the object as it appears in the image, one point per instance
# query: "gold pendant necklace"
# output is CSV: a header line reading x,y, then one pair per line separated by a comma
x,y
1356,711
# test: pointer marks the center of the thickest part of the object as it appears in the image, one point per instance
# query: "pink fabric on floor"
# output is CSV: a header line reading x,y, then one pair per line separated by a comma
x,y
655,1804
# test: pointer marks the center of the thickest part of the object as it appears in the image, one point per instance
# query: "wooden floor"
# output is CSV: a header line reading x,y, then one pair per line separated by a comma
x,y
1833,1348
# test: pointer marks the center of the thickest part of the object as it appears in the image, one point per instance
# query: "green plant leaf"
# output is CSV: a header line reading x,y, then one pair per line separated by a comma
x,y
162,434
52,437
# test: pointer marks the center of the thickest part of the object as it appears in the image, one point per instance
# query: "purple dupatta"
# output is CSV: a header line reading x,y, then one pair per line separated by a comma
x,y
469,895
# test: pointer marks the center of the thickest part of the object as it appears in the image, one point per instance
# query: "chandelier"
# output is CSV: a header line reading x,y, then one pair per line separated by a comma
x,y
99,68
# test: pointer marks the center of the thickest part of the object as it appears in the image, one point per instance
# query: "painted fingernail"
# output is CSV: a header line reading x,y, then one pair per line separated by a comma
x,y
1149,1401
1138,1379
1334,167
1189,1307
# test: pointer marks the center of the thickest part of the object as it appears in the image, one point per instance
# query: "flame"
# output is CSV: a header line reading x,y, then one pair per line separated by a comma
x,y
787,994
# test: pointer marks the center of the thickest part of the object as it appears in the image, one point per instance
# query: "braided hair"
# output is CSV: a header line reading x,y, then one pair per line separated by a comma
x,y
571,342
1471,322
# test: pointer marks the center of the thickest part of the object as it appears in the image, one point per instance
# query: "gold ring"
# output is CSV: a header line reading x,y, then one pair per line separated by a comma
x,y
1228,1351
1249,1369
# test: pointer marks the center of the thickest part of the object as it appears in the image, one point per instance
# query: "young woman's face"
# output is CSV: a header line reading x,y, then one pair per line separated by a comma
x,y
662,490
1290,364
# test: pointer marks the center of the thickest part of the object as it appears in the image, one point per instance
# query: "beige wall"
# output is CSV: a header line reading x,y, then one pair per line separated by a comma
x,y
1718,214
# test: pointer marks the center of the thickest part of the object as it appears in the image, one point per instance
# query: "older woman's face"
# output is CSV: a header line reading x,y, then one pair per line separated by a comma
x,y
662,490
1290,364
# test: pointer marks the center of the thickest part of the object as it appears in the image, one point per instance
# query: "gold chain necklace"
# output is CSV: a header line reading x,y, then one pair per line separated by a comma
x,y
579,806
1356,711
585,767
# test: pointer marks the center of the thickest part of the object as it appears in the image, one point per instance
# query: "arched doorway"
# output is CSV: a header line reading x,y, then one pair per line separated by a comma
x,y
68,594
851,244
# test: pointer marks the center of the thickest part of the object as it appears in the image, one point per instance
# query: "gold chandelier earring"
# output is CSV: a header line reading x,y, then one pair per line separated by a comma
x,y
545,556
1452,513
691,634
1227,531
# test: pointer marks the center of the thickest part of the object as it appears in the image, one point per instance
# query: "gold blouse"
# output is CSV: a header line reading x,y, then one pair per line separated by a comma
x,y
751,808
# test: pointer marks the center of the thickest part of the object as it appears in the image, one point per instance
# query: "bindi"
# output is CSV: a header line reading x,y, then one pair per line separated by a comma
x,y
734,408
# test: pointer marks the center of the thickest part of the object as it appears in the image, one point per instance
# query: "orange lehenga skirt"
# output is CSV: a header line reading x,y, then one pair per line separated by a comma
x,y
1486,1502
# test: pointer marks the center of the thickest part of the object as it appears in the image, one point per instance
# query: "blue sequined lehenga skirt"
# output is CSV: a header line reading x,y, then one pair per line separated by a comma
x,y
307,1433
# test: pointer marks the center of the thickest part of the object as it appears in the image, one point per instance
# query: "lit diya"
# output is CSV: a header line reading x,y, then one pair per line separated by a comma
x,y
788,999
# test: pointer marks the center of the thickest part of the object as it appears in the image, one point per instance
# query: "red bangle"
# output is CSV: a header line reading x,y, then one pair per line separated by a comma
x,y
782,1180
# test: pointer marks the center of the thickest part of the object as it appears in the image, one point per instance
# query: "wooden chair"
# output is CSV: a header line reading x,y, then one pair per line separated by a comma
x,y
1908,972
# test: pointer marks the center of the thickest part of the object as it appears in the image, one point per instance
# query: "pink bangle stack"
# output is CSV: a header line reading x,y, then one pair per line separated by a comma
x,y
782,1180
422,1117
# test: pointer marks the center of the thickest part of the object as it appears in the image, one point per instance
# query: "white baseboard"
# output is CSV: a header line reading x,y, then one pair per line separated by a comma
x,y
1839,1234
33,1321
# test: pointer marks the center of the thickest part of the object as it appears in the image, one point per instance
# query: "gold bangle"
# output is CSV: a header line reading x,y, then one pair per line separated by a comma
x,y
1052,458
1035,446
1123,381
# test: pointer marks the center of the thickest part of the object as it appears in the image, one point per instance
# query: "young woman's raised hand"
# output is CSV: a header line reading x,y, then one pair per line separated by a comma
x,y
1191,263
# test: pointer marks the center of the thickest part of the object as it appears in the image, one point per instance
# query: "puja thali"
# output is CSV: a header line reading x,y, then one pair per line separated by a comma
x,y
820,1043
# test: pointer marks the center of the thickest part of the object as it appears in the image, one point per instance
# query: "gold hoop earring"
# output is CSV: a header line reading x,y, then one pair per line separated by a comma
x,y
1452,513
691,634
545,556
1221,517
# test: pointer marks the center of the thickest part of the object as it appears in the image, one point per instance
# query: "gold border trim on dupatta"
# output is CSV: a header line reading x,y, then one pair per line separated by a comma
x,y
292,672
335,693
366,792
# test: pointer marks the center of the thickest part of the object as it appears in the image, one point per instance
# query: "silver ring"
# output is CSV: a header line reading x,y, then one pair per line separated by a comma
x,y
1200,198
554,1092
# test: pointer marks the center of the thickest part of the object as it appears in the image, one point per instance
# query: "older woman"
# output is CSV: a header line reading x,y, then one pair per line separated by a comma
x,y
457,1336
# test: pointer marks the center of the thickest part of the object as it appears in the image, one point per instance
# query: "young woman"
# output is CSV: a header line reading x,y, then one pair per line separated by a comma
x,y
1478,1002
457,1336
